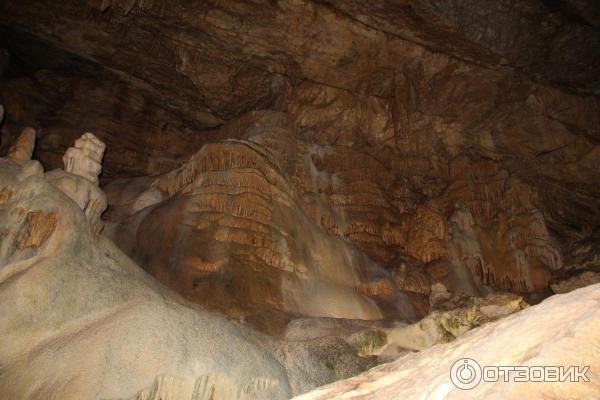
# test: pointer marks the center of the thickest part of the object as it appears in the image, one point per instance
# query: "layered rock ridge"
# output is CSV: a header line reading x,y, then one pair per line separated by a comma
x,y
232,229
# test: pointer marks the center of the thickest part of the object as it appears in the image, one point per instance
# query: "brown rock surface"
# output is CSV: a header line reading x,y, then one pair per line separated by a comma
x,y
38,228
230,232
293,164
326,142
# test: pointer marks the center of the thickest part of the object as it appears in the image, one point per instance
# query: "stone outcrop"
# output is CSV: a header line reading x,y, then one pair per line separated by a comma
x,y
528,338
443,326
230,230
83,321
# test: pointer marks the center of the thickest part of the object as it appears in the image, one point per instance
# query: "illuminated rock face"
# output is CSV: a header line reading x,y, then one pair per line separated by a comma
x,y
276,161
22,150
526,339
281,218
297,149
79,179
105,315
232,231
85,322
85,157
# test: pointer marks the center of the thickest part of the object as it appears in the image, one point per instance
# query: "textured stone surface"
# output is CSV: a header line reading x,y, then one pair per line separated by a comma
x,y
230,230
84,322
577,281
22,149
195,66
244,214
412,84
68,97
79,179
415,157
272,160
548,334
444,326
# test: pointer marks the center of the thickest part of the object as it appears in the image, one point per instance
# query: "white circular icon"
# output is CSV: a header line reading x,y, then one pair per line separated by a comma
x,y
465,373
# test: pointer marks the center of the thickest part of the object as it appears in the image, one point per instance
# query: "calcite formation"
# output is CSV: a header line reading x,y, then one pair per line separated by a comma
x,y
100,298
291,163
242,214
85,157
415,116
246,224
22,150
38,228
445,326
111,331
230,231
529,338
79,179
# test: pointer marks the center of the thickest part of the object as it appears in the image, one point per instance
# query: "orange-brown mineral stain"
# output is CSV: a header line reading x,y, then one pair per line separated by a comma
x,y
5,194
38,228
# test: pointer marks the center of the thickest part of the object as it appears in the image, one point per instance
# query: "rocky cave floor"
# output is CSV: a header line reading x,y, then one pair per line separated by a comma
x,y
324,199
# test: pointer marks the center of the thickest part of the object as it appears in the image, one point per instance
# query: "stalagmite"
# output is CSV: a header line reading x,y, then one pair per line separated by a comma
x,y
22,150
85,157
79,179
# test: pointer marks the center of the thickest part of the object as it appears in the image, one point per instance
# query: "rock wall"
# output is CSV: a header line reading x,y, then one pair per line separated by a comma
x,y
379,147
229,230
276,161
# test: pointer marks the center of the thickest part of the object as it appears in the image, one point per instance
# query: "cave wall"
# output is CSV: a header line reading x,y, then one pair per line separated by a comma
x,y
443,141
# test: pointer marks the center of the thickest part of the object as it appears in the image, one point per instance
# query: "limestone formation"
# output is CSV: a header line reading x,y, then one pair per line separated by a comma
x,y
549,334
232,206
233,235
22,150
357,180
445,326
130,335
37,230
449,146
85,157
79,179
